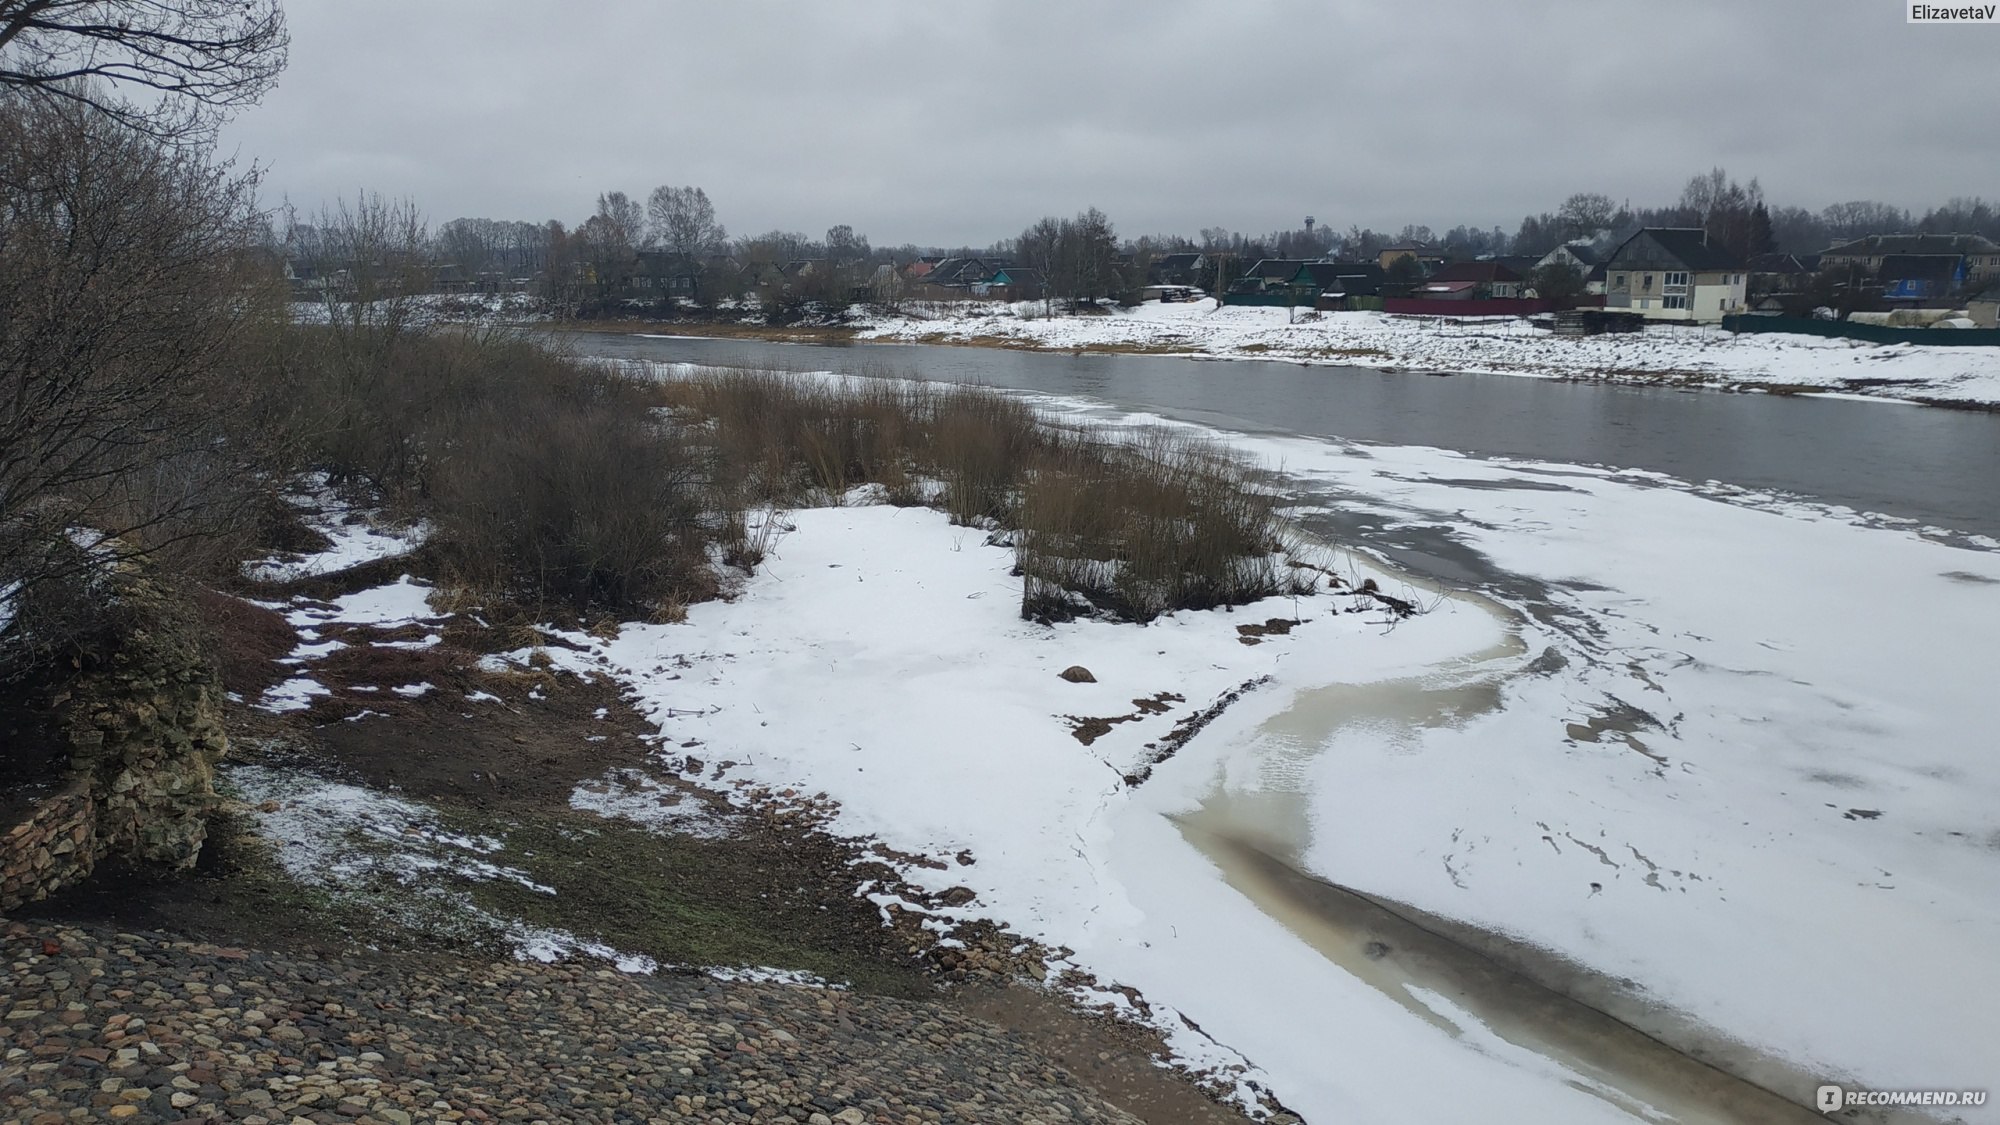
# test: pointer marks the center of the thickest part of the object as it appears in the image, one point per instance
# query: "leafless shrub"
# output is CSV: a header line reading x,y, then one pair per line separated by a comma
x,y
130,310
581,502
553,482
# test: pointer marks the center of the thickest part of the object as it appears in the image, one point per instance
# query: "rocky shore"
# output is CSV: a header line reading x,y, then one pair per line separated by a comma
x,y
103,1025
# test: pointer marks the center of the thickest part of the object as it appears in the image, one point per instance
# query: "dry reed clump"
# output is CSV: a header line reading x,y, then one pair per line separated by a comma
x,y
1129,529
559,483
1137,529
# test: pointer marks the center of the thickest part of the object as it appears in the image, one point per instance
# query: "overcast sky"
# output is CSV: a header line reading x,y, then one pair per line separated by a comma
x,y
959,122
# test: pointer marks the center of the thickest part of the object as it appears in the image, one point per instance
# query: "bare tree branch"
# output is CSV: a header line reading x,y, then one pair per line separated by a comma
x,y
169,68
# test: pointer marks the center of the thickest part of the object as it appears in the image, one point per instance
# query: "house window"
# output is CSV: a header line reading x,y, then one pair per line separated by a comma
x,y
1674,302
1647,285
1618,281
1674,279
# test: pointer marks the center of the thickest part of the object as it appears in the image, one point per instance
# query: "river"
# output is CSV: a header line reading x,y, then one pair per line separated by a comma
x,y
1938,467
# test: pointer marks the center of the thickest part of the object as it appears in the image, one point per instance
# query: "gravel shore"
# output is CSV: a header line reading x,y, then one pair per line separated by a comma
x,y
101,1025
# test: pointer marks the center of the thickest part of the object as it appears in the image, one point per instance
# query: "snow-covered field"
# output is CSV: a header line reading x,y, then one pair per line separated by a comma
x,y
1497,345
1739,759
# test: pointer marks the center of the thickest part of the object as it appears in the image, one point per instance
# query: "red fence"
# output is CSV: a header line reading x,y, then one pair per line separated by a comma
x,y
1492,306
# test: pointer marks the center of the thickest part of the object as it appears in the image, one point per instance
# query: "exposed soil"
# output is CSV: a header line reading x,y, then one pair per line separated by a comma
x,y
1087,729
773,890
248,643
1276,627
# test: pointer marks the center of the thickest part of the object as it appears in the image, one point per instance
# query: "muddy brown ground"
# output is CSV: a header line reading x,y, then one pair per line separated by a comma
x,y
776,890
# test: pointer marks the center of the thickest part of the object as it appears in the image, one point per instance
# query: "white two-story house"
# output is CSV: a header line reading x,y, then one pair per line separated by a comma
x,y
1670,273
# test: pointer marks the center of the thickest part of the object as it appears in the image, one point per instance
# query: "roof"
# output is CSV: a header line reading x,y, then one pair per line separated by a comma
x,y
1778,263
1583,251
1017,275
965,271
1919,267
1323,273
1661,247
1276,269
1883,244
1487,272
1177,261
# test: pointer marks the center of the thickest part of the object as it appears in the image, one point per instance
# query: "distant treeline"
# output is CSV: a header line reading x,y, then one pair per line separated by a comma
x,y
682,221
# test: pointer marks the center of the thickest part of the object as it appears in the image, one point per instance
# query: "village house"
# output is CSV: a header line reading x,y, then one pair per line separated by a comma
x,y
1013,283
663,274
1270,277
1478,280
1778,274
1865,257
1181,269
1333,283
1671,273
1426,258
963,273
1583,257
1918,279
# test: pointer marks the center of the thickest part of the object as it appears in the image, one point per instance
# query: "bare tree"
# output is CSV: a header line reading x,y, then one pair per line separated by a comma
x,y
623,218
1859,218
609,242
1093,252
683,221
1585,213
206,56
128,291
1040,247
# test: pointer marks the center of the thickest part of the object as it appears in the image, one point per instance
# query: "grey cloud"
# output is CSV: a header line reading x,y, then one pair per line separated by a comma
x,y
961,122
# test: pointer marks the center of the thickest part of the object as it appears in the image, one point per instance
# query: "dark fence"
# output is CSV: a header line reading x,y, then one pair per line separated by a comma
x,y
1872,333
1341,302
1491,306
1278,300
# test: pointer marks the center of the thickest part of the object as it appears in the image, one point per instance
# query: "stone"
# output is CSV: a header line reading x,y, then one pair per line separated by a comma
x,y
1077,674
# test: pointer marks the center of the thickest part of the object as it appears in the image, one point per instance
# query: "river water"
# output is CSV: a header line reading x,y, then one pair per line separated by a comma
x,y
1938,467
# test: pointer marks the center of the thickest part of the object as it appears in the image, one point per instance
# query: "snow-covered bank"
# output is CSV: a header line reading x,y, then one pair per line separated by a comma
x,y
1737,757
879,656
1681,356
